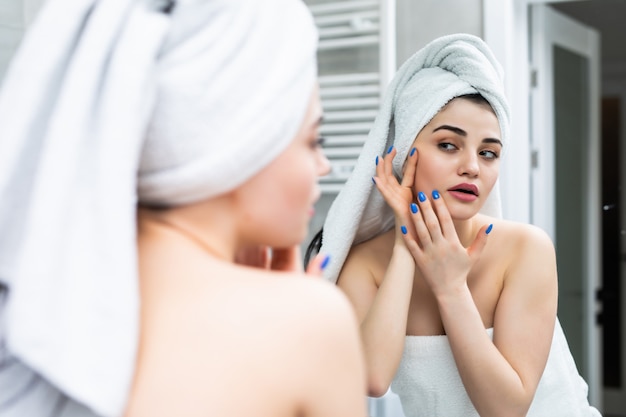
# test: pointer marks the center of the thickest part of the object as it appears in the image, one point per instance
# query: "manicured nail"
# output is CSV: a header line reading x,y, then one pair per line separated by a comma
x,y
376,159
421,196
489,229
373,180
403,228
414,208
390,149
325,262
435,194
412,151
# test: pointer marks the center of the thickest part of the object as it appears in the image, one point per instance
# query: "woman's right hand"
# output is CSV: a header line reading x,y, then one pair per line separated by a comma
x,y
398,195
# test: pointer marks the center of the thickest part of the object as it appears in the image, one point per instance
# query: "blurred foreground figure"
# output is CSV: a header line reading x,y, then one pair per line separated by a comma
x,y
148,149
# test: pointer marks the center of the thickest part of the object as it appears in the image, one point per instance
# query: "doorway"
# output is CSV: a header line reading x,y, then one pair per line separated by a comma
x,y
565,175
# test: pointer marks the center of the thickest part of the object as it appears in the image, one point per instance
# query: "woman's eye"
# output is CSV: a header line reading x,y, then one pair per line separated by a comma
x,y
318,142
446,146
489,154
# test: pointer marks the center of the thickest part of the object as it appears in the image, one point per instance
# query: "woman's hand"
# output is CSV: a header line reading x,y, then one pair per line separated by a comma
x,y
398,195
284,259
437,250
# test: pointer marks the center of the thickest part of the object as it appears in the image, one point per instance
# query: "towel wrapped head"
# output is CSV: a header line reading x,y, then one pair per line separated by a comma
x,y
108,103
446,68
230,96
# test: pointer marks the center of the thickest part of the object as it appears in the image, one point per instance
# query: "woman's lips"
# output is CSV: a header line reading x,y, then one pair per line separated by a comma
x,y
464,192
463,196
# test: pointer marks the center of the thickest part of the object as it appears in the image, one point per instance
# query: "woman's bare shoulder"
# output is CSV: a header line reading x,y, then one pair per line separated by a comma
x,y
305,330
261,334
301,294
517,234
518,245
268,301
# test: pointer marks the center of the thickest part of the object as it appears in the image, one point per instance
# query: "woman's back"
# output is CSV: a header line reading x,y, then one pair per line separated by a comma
x,y
260,336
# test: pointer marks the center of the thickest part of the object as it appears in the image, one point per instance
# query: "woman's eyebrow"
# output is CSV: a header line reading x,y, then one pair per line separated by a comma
x,y
454,129
463,133
493,140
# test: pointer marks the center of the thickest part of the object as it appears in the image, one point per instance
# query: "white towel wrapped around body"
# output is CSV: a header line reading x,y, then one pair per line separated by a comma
x,y
446,68
428,381
108,103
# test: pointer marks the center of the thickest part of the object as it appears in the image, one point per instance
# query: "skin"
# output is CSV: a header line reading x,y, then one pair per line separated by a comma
x,y
231,324
446,275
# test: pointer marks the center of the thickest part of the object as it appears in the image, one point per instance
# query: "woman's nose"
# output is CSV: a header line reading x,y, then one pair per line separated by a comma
x,y
469,164
323,164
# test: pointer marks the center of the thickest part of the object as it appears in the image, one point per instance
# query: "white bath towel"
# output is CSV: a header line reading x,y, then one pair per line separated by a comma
x,y
218,87
447,67
428,381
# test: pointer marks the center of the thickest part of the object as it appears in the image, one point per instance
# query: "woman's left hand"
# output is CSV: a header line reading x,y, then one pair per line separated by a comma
x,y
439,255
283,259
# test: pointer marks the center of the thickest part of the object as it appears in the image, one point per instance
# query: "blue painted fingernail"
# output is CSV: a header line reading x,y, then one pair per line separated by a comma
x,y
435,194
414,208
376,159
325,262
421,196
413,151
489,229
373,180
390,149
403,228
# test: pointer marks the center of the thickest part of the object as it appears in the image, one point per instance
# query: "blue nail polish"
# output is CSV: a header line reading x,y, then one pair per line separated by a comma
x,y
414,208
376,159
390,149
403,228
413,151
373,180
421,196
435,194
325,262
489,229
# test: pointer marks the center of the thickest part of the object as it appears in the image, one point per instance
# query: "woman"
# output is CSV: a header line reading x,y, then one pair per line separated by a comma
x,y
149,149
457,306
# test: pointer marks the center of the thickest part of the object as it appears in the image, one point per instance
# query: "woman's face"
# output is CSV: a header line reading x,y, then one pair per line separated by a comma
x,y
278,202
459,153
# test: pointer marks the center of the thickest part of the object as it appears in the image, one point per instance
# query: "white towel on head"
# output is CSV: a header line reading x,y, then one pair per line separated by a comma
x,y
221,87
446,68
244,100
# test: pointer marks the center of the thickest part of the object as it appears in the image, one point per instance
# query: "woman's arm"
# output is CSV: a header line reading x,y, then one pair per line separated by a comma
x,y
500,377
383,310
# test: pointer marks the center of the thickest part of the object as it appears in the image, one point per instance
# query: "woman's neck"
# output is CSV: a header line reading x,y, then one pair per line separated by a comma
x,y
466,230
206,226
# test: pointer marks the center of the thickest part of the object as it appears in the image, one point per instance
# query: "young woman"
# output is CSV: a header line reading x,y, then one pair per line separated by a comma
x,y
166,156
457,307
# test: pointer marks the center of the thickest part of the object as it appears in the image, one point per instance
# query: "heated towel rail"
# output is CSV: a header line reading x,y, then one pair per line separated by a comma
x,y
357,60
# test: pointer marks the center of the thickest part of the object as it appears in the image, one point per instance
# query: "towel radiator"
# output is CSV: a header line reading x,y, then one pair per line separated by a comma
x,y
357,59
